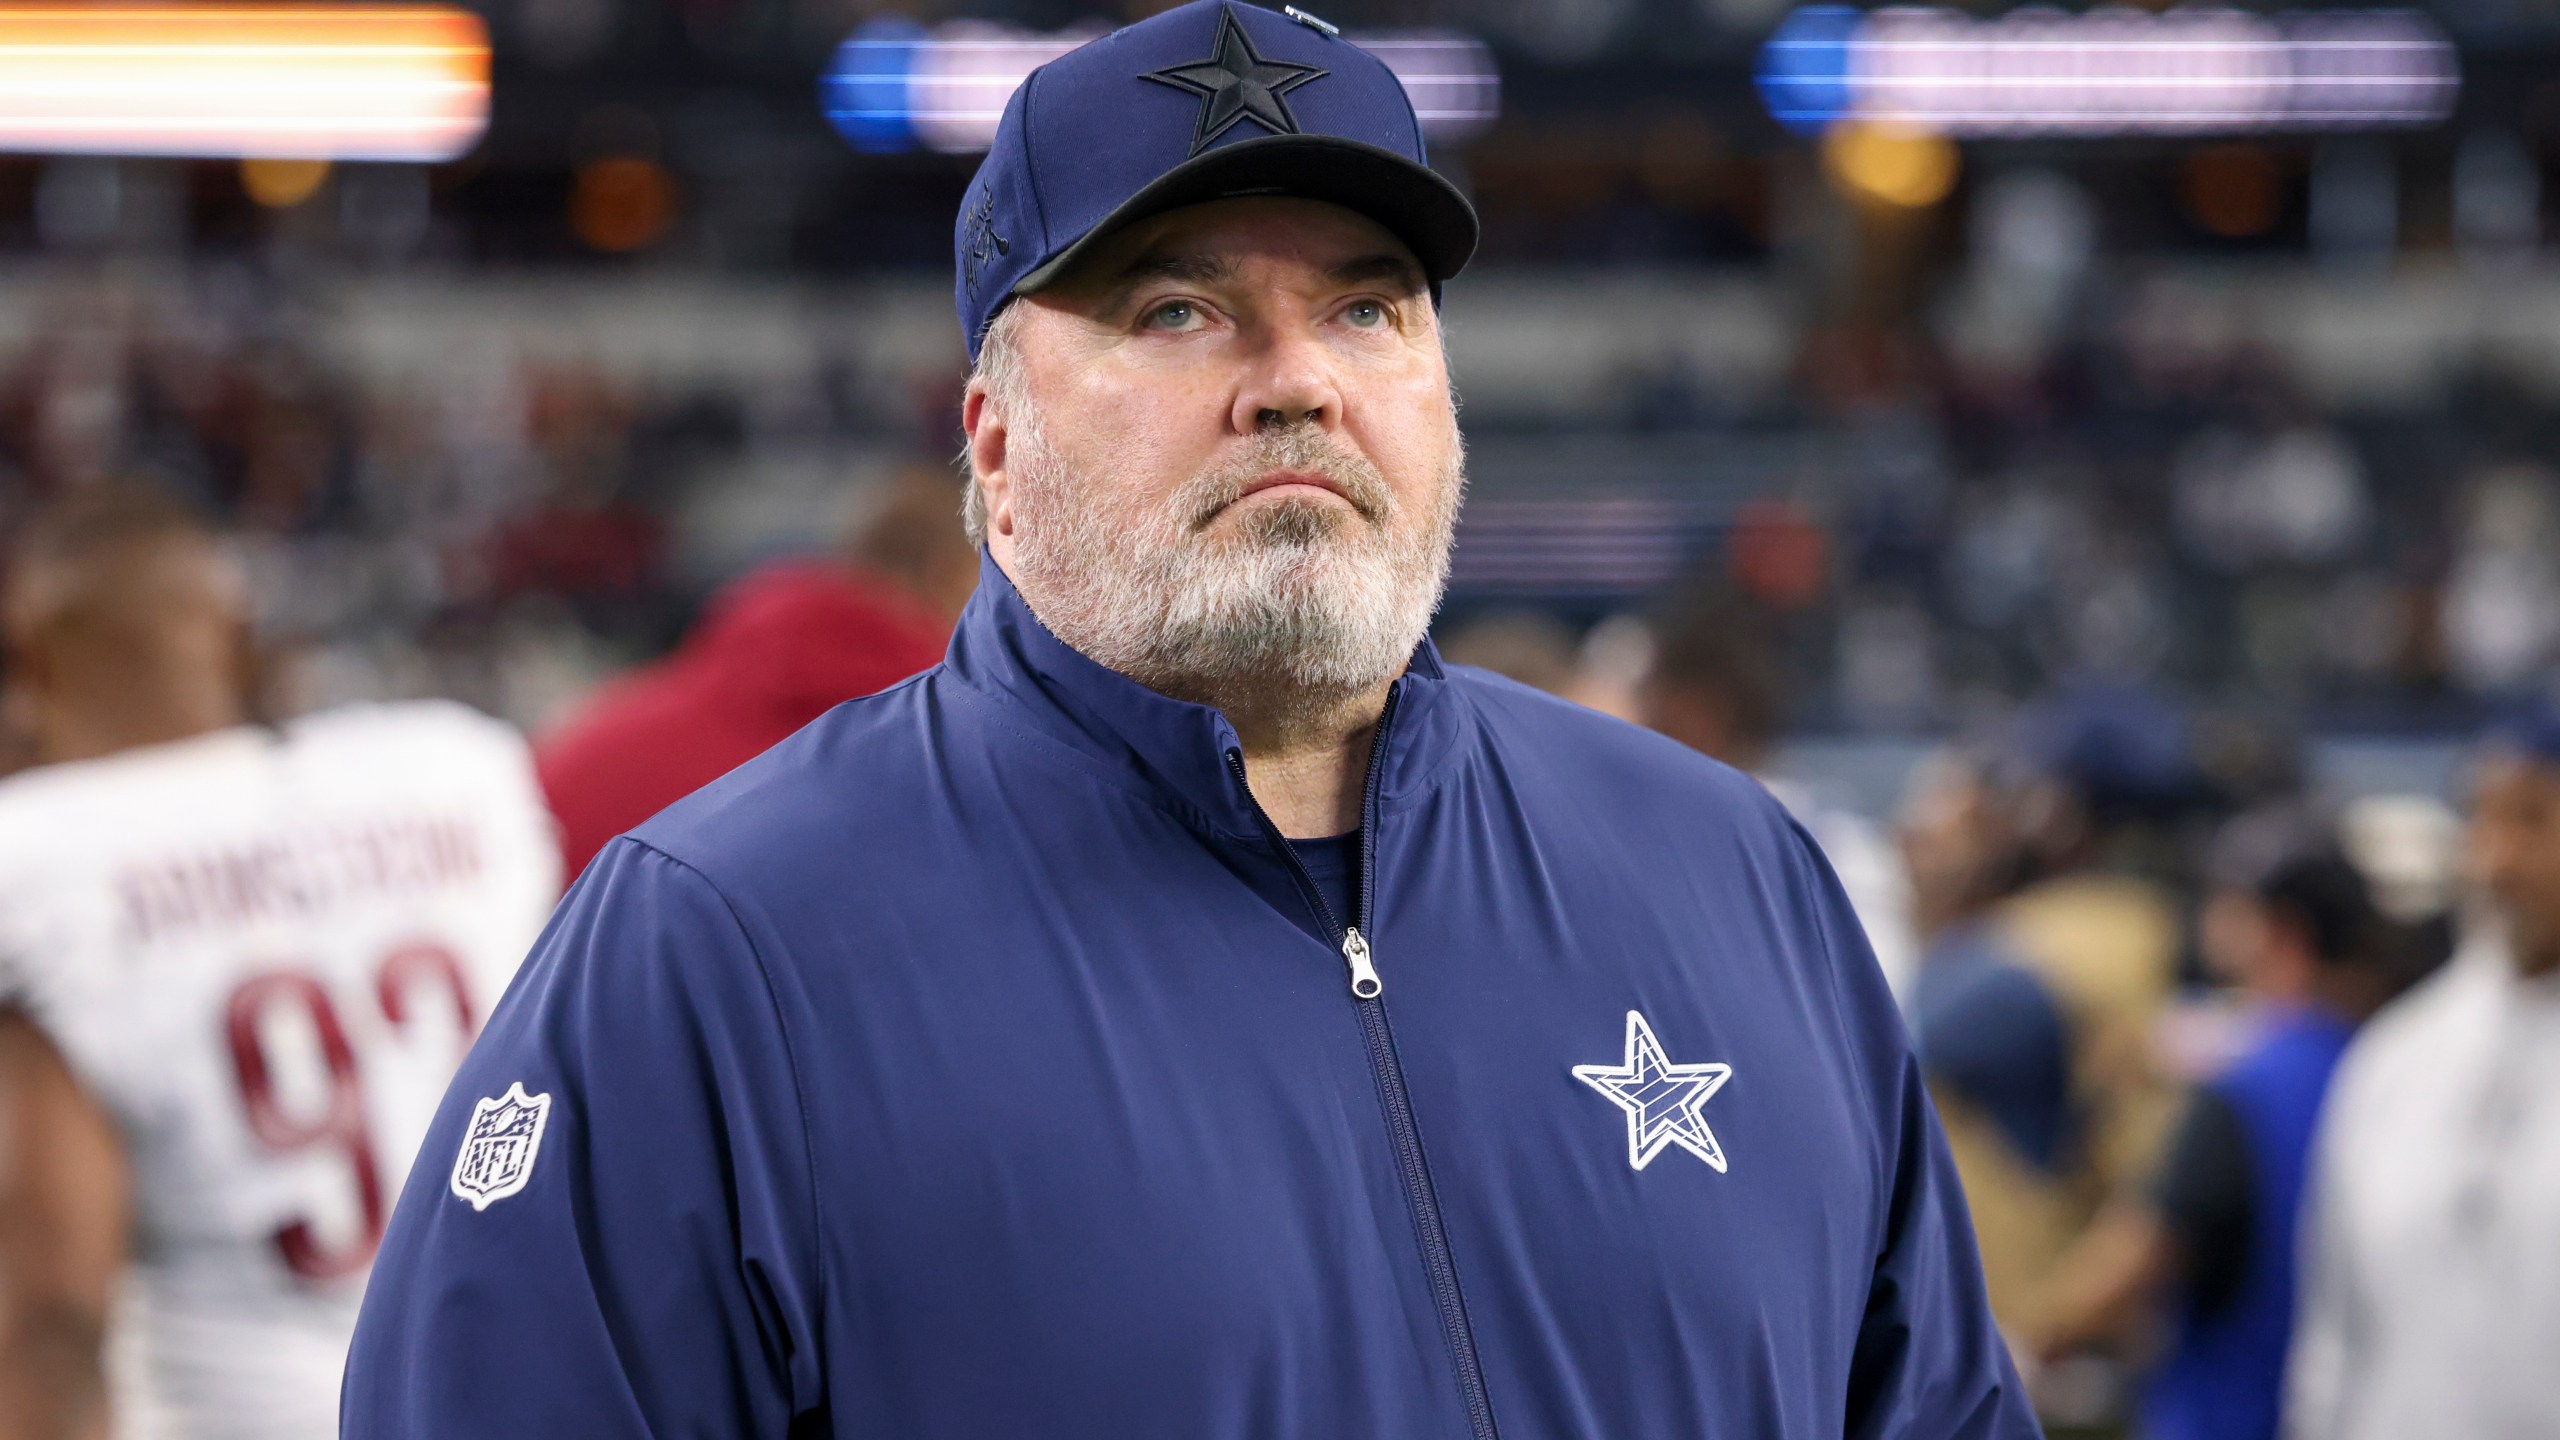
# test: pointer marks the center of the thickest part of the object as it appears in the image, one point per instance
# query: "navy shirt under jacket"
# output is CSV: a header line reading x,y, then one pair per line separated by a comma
x,y
978,1063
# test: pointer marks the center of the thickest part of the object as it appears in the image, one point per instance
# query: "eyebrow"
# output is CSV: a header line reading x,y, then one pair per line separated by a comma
x,y
1195,267
1207,268
1381,266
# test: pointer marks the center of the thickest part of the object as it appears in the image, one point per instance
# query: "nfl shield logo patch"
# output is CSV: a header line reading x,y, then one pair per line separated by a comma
x,y
498,1149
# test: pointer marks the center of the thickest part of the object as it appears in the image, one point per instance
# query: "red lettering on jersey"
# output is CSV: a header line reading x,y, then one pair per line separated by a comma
x,y
298,874
341,1121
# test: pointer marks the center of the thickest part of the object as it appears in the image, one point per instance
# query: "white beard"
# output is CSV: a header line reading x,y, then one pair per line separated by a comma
x,y
1297,605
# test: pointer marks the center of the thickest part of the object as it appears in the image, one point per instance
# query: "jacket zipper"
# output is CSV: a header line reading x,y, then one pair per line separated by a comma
x,y
1367,998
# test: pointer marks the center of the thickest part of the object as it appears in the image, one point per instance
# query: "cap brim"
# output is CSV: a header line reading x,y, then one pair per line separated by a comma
x,y
1413,201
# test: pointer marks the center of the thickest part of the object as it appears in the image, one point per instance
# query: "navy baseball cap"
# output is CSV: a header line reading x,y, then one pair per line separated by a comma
x,y
1208,101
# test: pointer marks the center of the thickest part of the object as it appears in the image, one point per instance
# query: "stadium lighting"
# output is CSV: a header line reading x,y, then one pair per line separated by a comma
x,y
1899,168
896,85
2108,71
281,82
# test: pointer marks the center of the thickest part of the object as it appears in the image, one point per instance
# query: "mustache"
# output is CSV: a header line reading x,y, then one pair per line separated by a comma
x,y
1303,447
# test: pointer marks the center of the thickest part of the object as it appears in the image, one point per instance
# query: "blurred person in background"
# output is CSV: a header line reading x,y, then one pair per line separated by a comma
x,y
776,650
2047,961
2208,1245
1543,653
239,964
1529,646
1713,684
2431,1303
2409,847
1992,1037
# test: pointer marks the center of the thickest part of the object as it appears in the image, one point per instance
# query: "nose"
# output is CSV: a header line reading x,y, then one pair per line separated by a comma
x,y
1289,380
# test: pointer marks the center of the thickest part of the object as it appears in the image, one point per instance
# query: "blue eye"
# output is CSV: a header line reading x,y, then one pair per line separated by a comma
x,y
1365,314
1173,315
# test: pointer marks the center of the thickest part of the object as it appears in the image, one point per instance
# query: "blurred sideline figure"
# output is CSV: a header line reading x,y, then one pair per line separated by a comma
x,y
240,965
775,651
2047,961
2409,848
2210,1240
1529,646
1713,685
2432,1302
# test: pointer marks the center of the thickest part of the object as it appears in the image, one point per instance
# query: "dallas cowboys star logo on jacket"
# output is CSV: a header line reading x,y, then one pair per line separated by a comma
x,y
1238,85
1662,1100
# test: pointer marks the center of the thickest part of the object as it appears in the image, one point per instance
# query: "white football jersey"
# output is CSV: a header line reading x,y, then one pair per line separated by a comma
x,y
265,951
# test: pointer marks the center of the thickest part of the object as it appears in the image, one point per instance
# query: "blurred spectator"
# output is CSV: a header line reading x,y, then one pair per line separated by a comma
x,y
1991,1034
2410,850
2295,497
2208,1244
1610,667
1714,686
2432,1300
2048,960
2502,603
1533,648
776,650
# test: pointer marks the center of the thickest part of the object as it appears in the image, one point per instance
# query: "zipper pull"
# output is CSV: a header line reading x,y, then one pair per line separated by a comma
x,y
1364,976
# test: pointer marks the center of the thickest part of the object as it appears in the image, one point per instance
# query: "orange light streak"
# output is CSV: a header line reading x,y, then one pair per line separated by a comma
x,y
313,81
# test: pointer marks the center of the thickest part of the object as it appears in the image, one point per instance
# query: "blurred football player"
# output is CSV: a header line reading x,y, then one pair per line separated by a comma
x,y
240,964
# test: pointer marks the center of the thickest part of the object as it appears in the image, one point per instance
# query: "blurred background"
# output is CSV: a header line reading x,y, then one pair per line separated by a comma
x,y
2087,460
2256,416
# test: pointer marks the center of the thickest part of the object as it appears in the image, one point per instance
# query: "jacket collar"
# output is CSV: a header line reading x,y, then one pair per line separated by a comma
x,y
1172,748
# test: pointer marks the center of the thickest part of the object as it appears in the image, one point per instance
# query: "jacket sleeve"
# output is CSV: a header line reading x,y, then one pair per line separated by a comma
x,y
626,1250
1929,1363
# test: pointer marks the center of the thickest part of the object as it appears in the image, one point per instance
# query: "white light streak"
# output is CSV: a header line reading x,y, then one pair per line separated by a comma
x,y
306,81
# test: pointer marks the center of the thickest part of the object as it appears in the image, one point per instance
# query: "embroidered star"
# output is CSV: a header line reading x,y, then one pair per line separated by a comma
x,y
1237,85
1662,1100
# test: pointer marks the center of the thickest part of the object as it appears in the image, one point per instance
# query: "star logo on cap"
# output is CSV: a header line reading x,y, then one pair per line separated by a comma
x,y
1236,84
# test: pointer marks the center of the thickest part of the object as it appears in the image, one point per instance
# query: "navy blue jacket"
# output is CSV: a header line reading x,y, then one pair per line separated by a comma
x,y
976,1065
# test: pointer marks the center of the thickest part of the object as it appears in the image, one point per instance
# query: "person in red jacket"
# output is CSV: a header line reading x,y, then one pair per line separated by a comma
x,y
775,650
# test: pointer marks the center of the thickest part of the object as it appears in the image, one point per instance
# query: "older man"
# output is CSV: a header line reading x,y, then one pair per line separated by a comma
x,y
1192,1010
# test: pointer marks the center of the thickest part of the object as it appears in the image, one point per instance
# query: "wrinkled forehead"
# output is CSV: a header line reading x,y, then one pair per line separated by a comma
x,y
1271,240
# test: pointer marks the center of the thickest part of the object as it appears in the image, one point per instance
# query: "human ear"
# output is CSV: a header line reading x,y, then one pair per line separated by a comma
x,y
985,424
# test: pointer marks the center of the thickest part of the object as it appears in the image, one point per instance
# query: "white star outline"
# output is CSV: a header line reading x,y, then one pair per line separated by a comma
x,y
1662,1100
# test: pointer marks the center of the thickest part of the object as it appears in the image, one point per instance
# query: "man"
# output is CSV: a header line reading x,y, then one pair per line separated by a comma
x,y
2432,1299
2210,1243
2047,963
1193,1010
239,965
776,650
1994,1037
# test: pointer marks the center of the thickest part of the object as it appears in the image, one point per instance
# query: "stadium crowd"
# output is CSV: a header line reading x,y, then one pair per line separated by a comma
x,y
2147,498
